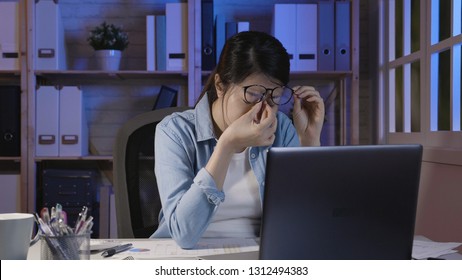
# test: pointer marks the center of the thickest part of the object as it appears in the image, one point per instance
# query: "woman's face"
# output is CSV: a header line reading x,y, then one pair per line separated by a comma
x,y
231,103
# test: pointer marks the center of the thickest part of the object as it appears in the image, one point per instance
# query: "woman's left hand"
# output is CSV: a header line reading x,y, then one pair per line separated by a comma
x,y
308,115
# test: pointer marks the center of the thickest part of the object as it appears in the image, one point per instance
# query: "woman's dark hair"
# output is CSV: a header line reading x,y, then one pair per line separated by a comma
x,y
246,53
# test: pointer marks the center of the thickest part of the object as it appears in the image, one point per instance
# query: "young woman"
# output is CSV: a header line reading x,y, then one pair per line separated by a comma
x,y
210,161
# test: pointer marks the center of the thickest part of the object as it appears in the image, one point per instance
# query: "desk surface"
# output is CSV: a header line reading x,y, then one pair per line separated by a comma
x,y
164,248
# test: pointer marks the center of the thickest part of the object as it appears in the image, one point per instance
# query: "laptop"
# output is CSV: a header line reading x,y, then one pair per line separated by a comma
x,y
340,202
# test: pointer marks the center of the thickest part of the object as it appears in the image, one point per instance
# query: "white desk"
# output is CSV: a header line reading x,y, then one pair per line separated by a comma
x,y
164,248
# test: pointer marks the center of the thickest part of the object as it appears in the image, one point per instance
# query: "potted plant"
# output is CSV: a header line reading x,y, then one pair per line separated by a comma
x,y
108,41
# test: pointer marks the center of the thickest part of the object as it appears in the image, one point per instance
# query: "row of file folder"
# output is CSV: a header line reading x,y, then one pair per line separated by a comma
x,y
295,25
316,36
167,39
224,30
61,126
215,31
50,49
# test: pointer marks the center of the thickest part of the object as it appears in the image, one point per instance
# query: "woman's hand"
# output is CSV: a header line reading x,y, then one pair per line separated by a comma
x,y
308,115
254,128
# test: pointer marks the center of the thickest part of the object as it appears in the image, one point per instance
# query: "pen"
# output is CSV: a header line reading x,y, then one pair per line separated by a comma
x,y
112,251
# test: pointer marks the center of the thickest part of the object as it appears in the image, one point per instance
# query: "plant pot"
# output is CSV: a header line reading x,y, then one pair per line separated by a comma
x,y
108,60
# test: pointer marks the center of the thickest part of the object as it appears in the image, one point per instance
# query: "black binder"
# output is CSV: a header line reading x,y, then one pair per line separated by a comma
x,y
208,36
10,120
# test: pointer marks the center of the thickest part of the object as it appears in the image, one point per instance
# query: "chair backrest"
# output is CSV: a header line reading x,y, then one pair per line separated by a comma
x,y
137,201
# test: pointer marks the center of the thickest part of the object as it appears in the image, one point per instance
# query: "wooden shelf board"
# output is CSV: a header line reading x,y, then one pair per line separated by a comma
x,y
89,76
17,159
89,158
307,75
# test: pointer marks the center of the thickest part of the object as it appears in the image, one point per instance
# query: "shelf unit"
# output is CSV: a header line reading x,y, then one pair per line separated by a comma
x,y
18,164
190,82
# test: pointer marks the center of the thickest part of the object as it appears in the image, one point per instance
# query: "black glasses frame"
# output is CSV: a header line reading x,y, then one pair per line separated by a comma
x,y
270,90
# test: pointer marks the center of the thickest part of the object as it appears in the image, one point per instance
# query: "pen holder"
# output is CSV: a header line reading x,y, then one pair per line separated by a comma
x,y
66,247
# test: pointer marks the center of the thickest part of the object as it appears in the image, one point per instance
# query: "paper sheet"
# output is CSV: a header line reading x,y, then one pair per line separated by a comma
x,y
423,249
97,245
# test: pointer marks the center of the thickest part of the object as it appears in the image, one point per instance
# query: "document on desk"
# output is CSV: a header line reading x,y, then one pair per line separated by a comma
x,y
168,249
423,249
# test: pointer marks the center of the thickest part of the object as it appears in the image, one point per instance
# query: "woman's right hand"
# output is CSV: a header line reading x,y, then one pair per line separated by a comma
x,y
254,128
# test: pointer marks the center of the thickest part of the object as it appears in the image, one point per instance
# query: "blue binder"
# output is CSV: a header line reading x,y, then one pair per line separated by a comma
x,y
342,36
231,29
220,31
161,45
208,36
326,31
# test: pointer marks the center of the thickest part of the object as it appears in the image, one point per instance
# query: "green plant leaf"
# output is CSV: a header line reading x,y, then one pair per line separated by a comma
x,y
108,37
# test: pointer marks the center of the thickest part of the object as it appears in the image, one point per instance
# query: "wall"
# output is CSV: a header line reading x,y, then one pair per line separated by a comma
x,y
439,213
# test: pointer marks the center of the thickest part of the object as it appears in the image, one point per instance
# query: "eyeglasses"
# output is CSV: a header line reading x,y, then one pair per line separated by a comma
x,y
256,93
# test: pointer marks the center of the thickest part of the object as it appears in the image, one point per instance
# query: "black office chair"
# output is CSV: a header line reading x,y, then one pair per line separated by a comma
x,y
137,200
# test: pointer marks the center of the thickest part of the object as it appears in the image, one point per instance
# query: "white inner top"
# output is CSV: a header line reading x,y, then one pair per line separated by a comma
x,y
240,213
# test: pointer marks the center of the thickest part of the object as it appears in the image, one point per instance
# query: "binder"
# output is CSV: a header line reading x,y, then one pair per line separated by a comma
x,y
150,43
234,27
73,129
342,36
10,121
220,31
9,35
306,37
10,190
295,25
243,26
177,36
49,38
284,29
161,44
326,33
208,36
46,121
230,29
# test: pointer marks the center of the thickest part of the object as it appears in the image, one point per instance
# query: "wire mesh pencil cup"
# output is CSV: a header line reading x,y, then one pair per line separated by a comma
x,y
65,247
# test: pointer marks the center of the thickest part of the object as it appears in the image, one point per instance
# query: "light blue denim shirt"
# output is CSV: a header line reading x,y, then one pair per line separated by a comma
x,y
184,143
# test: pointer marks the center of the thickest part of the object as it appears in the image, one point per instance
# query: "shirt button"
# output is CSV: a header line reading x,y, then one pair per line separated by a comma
x,y
253,155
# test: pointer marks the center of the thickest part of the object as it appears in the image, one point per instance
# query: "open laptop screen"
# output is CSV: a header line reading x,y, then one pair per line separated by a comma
x,y
345,202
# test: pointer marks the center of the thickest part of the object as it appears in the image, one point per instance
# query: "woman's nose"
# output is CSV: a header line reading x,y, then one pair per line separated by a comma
x,y
268,100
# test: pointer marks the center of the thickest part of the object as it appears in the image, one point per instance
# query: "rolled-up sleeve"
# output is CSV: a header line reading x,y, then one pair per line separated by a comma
x,y
206,183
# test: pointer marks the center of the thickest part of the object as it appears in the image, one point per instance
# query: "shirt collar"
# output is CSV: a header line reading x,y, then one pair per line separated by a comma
x,y
204,124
